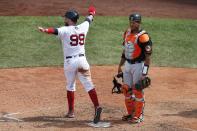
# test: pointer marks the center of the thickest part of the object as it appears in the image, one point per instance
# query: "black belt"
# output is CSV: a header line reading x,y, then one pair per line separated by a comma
x,y
68,57
133,61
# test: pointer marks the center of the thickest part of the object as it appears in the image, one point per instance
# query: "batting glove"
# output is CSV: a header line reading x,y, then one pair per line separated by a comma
x,y
92,10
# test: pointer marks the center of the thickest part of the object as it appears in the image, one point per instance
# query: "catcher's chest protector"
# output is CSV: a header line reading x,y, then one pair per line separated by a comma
x,y
132,47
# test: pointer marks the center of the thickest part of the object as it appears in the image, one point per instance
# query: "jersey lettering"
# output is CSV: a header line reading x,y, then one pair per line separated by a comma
x,y
77,39
81,39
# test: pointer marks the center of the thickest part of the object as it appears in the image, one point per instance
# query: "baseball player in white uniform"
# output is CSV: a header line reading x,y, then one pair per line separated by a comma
x,y
73,38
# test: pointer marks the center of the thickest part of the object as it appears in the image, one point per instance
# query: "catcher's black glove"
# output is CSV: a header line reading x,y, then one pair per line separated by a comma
x,y
144,83
117,85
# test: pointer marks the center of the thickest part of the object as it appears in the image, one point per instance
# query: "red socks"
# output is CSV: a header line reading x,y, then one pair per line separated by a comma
x,y
70,97
93,97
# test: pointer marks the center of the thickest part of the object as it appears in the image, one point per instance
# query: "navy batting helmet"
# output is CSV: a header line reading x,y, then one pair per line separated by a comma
x,y
72,15
135,17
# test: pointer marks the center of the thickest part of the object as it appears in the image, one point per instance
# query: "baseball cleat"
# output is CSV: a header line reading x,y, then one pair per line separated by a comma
x,y
135,120
127,117
97,115
70,115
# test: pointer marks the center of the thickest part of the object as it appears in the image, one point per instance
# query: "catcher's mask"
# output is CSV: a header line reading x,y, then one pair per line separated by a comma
x,y
72,15
117,82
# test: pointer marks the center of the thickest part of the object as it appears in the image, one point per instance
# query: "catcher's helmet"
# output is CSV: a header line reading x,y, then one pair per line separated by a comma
x,y
135,17
72,15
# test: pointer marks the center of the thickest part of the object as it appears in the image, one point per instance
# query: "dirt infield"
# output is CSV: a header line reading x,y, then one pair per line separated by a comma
x,y
39,97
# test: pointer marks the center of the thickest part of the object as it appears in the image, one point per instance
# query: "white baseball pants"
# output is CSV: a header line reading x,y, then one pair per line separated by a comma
x,y
77,66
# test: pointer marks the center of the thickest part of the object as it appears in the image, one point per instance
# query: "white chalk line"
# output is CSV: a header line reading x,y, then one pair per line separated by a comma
x,y
10,116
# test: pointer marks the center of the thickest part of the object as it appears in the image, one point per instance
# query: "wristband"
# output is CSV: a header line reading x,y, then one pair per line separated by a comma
x,y
49,30
145,70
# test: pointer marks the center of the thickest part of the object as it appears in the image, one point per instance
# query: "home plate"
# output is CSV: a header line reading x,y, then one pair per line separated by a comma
x,y
100,124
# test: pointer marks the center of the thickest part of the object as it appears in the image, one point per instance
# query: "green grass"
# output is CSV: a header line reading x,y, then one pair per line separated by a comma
x,y
174,42
21,45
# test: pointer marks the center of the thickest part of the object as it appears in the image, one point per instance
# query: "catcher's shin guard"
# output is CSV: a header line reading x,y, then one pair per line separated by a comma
x,y
129,103
139,107
139,104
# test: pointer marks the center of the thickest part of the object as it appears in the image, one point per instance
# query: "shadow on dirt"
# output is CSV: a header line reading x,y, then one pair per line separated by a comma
x,y
56,121
187,114
59,122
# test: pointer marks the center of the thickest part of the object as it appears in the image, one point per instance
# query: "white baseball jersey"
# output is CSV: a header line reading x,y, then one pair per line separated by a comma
x,y
75,62
73,38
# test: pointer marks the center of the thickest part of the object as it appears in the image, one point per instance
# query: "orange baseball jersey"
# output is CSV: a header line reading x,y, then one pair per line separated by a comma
x,y
137,45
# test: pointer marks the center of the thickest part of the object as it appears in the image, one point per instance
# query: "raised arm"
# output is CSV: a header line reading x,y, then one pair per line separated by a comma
x,y
92,12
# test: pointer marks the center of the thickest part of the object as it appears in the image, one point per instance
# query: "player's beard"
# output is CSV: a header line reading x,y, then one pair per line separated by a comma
x,y
135,29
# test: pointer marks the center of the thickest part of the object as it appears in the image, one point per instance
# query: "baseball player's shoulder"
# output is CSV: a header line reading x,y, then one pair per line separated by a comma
x,y
62,30
144,38
84,26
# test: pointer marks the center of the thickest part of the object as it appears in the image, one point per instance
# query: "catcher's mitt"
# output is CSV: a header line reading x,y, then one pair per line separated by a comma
x,y
142,84
117,84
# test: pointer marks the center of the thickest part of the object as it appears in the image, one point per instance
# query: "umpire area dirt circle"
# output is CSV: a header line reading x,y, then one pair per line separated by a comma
x,y
37,97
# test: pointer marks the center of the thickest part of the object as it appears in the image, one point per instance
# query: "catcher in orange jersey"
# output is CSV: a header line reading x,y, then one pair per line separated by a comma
x,y
136,57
